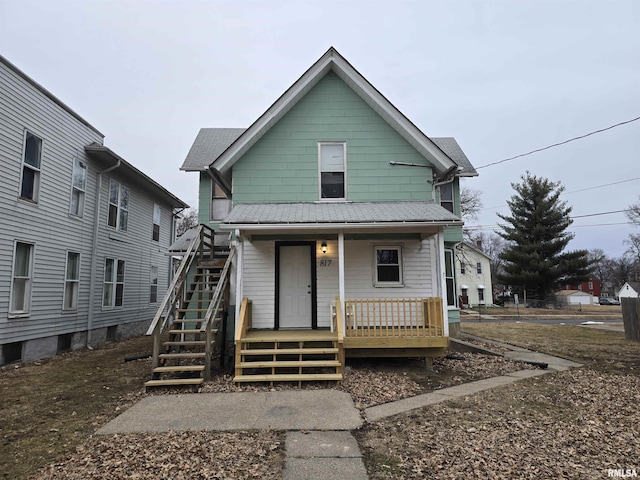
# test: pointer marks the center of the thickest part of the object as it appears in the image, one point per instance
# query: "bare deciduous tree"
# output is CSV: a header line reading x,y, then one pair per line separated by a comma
x,y
186,220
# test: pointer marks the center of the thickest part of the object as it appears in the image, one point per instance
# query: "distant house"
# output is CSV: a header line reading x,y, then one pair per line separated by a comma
x,y
592,286
474,276
574,297
629,290
84,233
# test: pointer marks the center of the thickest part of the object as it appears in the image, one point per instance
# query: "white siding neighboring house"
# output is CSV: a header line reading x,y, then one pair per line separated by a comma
x,y
574,297
84,233
629,290
473,268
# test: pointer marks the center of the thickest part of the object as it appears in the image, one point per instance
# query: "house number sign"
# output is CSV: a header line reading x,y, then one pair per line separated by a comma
x,y
325,262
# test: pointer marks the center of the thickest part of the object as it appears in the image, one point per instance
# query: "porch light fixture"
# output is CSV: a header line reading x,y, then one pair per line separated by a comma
x,y
324,247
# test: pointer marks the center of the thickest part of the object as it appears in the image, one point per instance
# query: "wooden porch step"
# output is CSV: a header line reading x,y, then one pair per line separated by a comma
x,y
290,363
288,351
174,382
188,343
194,310
179,368
187,320
185,331
169,356
289,377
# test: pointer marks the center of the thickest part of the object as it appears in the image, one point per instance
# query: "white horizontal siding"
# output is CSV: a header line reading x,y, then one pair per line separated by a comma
x,y
258,281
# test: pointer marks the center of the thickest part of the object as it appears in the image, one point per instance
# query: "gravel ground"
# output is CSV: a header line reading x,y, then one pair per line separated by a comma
x,y
573,424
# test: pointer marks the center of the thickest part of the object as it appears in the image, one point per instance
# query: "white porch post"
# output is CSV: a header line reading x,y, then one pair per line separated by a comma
x,y
239,266
341,276
442,267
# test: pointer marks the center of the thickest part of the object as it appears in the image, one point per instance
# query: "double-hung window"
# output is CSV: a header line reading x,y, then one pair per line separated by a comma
x,y
156,223
446,196
450,279
113,286
30,185
118,206
478,267
388,265
78,186
153,282
332,166
463,268
71,281
21,279
220,202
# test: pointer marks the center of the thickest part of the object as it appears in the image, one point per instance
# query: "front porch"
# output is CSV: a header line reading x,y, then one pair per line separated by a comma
x,y
370,328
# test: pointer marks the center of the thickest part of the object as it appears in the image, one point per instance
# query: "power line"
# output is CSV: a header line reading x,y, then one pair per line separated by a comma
x,y
596,214
559,143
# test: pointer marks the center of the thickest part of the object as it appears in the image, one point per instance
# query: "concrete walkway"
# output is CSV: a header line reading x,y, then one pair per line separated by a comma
x,y
319,444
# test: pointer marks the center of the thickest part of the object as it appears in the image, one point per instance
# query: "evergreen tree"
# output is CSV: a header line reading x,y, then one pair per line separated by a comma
x,y
536,234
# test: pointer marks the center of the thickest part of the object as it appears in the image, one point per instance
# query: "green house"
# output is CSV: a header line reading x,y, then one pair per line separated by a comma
x,y
342,216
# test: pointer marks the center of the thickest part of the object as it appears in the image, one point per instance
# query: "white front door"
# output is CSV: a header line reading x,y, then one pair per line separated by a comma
x,y
295,287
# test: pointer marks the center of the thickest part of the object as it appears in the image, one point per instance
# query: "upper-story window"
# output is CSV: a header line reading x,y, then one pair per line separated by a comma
x,y
450,278
220,202
30,185
78,186
333,168
118,206
446,196
156,223
463,268
478,267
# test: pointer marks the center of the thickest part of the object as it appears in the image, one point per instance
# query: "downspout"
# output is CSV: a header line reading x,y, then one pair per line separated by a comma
x,y
94,249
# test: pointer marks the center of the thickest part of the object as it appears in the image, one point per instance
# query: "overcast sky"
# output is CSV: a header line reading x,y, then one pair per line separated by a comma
x,y
503,78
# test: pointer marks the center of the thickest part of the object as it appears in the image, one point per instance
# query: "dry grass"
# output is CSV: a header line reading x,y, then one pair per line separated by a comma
x,y
52,406
600,311
600,349
573,424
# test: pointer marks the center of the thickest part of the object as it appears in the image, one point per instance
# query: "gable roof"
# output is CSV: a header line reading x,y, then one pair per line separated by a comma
x,y
567,293
333,61
210,143
340,214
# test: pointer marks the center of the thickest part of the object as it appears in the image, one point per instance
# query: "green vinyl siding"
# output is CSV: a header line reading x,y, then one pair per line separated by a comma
x,y
283,165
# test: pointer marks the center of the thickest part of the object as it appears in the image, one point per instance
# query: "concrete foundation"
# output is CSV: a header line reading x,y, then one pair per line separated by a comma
x,y
39,348
454,330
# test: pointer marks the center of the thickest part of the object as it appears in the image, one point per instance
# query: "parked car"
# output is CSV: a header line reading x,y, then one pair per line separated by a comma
x,y
609,301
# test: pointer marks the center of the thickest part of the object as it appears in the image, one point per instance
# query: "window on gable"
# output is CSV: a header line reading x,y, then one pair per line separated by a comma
x,y
78,186
30,184
156,223
478,267
220,203
388,265
332,158
450,279
446,196
113,286
153,281
22,278
118,206
71,281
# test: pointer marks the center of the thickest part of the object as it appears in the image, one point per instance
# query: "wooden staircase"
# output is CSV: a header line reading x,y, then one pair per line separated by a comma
x,y
193,311
286,355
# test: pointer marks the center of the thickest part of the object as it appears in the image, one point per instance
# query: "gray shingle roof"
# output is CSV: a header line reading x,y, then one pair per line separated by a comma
x,y
211,142
323,213
209,145
449,146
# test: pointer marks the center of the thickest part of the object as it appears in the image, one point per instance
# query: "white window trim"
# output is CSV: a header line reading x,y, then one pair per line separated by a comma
x,y
479,268
213,198
114,282
157,208
344,150
28,290
377,283
453,197
36,188
66,280
151,284
83,191
454,306
119,208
